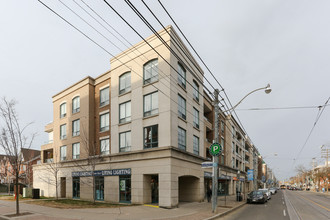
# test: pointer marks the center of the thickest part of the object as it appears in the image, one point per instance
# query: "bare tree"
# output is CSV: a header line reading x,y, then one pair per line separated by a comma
x,y
89,148
51,169
12,139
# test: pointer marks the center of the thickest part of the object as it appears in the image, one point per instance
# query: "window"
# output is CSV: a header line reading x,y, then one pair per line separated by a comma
x,y
182,107
125,141
104,97
125,112
125,189
76,128
196,145
181,138
222,127
63,110
125,83
150,72
233,147
76,105
104,146
196,118
150,136
104,122
182,76
63,131
63,153
233,131
75,150
196,91
150,104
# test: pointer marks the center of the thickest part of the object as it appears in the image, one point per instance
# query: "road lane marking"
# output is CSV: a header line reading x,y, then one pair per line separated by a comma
x,y
316,203
284,212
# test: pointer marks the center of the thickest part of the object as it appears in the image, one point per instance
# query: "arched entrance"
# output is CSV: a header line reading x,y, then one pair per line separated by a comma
x,y
189,189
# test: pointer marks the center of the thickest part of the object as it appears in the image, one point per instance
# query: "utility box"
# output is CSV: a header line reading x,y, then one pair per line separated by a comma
x,y
27,192
35,193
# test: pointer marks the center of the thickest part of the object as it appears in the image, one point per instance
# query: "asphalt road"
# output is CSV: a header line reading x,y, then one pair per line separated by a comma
x,y
275,208
304,205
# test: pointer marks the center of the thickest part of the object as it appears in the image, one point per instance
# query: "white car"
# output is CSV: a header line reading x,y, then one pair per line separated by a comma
x,y
268,193
272,190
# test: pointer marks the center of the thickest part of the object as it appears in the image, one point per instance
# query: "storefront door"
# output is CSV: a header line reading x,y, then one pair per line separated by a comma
x,y
125,189
154,189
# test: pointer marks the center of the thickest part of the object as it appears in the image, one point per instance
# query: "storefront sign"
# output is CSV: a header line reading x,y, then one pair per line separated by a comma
x,y
208,174
114,172
224,177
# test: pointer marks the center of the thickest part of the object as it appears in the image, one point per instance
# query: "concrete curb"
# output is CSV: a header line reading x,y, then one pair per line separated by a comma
x,y
225,213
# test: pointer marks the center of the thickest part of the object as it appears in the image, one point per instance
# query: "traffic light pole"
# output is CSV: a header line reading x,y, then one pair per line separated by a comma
x,y
215,158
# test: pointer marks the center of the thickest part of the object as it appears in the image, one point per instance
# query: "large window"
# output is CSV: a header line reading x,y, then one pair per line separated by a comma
x,y
125,141
196,144
181,107
104,143
150,72
75,150
104,97
99,188
76,104
125,112
63,110
104,122
125,83
196,118
181,138
76,187
76,128
150,104
181,75
222,125
63,131
150,136
63,153
196,91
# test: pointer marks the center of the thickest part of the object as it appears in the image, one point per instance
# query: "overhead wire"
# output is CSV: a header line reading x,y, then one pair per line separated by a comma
x,y
187,111
222,88
321,109
105,49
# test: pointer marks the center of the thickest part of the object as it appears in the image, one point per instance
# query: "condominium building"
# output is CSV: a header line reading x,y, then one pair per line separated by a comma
x,y
136,131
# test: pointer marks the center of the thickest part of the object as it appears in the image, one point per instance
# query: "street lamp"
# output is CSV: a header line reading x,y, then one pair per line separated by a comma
x,y
267,91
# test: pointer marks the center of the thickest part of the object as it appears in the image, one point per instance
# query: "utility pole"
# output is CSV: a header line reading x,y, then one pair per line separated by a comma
x,y
313,172
215,158
325,154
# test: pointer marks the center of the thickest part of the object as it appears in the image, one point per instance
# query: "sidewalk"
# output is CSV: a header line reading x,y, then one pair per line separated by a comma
x,y
186,211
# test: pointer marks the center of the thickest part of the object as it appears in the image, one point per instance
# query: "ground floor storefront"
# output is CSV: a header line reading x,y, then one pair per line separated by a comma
x,y
164,177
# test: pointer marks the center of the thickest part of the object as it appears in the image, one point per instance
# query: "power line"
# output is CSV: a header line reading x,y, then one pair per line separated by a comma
x,y
280,108
231,106
321,109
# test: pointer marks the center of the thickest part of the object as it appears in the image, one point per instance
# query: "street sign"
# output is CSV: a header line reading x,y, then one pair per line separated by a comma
x,y
208,164
215,149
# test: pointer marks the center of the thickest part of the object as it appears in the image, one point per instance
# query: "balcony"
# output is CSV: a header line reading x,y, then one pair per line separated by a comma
x,y
49,127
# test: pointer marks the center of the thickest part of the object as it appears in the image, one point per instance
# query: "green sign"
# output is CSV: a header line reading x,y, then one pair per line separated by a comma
x,y
215,149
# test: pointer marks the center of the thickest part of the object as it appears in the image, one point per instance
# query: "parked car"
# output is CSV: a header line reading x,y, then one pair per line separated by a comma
x,y
267,192
257,197
272,190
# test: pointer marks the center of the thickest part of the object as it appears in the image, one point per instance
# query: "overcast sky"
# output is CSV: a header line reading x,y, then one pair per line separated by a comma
x,y
246,44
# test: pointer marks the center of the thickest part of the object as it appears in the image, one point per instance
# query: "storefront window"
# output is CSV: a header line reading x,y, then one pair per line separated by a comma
x,y
99,188
223,187
125,189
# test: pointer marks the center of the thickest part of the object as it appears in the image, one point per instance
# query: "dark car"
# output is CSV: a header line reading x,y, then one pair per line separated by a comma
x,y
256,197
